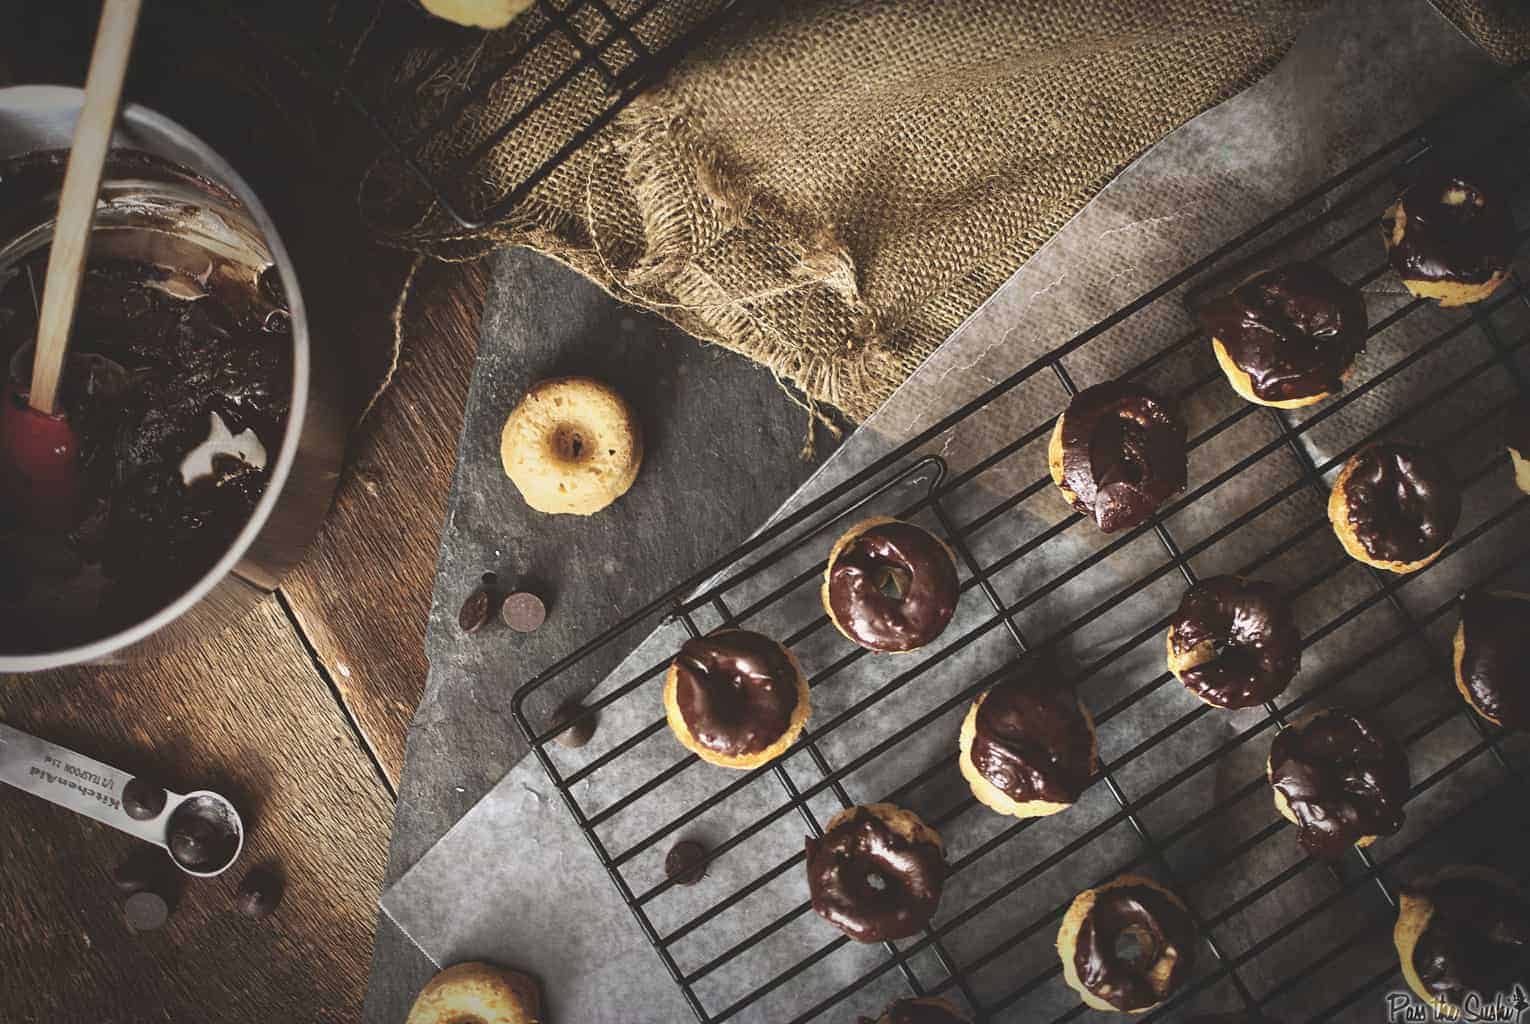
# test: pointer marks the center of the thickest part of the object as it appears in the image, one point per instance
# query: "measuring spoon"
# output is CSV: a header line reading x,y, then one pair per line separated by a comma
x,y
201,831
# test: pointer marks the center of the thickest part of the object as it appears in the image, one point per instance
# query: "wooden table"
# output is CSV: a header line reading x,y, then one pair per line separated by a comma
x,y
300,709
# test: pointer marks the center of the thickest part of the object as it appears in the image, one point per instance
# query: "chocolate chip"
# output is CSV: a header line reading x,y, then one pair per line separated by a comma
x,y
259,893
142,800
686,862
524,612
581,725
475,611
145,911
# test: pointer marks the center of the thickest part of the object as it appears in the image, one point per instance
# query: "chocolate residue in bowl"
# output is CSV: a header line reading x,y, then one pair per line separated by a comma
x,y
208,371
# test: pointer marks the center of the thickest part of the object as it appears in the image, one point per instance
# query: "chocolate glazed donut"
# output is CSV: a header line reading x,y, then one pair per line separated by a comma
x,y
1234,642
1462,930
1287,337
735,698
1492,656
1340,779
1450,235
877,872
1394,506
1101,926
1027,747
1118,453
890,585
1516,438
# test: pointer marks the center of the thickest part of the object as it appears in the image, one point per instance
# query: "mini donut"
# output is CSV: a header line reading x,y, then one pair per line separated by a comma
x,y
1233,642
1287,337
1394,506
1027,747
477,993
881,555
1340,779
490,14
1089,944
1117,454
572,446
1462,929
883,842
1450,236
925,1010
735,698
1492,656
1516,438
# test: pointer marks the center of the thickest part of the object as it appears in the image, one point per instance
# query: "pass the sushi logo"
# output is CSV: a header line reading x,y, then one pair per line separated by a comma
x,y
1511,1007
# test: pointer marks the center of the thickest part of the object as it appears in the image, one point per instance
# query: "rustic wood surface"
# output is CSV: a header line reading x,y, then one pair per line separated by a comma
x,y
244,713
300,710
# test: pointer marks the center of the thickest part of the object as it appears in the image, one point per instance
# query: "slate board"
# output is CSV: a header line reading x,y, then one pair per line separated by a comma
x,y
722,452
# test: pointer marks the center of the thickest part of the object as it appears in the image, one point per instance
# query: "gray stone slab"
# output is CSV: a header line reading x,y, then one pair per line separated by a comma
x,y
723,448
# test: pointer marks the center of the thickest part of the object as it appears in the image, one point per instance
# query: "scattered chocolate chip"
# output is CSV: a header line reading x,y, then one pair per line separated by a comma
x,y
145,911
581,725
142,800
524,612
686,862
259,893
475,611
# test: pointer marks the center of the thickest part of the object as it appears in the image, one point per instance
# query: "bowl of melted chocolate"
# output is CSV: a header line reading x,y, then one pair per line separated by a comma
x,y
207,452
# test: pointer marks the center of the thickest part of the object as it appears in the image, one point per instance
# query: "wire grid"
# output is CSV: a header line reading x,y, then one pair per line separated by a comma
x,y
1461,369
557,75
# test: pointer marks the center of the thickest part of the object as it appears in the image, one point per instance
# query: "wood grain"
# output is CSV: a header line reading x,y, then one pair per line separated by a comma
x,y
362,596
243,713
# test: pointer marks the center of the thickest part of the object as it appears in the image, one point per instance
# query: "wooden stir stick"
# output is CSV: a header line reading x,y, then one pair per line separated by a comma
x,y
77,202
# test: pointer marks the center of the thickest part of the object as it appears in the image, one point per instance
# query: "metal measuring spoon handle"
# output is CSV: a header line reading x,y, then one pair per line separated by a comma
x,y
209,833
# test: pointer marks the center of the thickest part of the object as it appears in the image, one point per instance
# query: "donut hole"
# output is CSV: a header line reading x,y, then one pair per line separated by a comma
x,y
570,443
893,581
876,882
1136,946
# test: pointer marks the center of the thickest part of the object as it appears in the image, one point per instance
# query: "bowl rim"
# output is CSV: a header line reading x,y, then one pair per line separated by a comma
x,y
160,127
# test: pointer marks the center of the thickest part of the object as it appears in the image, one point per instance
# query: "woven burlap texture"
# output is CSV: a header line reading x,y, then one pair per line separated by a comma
x,y
830,188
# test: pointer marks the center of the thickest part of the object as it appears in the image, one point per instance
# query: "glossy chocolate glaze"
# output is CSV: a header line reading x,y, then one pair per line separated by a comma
x,y
1294,330
1162,928
736,691
1123,452
1250,625
1516,426
917,1011
1032,741
1495,665
879,620
1343,777
1474,939
841,866
1466,241
1403,502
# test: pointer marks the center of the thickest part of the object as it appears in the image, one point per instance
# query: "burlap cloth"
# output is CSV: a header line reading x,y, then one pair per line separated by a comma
x,y
830,188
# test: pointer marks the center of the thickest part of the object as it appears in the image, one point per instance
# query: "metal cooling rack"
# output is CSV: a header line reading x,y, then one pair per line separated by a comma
x,y
591,58
1337,223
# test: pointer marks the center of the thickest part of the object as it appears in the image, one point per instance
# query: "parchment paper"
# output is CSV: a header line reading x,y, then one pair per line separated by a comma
x,y
514,881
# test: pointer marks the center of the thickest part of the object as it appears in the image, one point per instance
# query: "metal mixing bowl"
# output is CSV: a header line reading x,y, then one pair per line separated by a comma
x,y
37,119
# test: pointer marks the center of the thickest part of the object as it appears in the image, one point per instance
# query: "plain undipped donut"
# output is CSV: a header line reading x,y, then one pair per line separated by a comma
x,y
572,446
477,993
